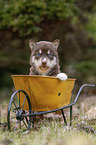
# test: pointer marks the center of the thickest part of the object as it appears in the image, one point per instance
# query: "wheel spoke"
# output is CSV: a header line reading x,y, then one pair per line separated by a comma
x,y
27,112
14,103
16,125
16,109
19,99
23,102
12,118
26,120
25,123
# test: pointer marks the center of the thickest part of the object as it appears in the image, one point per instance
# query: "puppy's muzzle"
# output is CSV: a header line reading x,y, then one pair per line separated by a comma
x,y
43,64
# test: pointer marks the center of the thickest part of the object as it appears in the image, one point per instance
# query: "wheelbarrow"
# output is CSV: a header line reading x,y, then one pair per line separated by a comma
x,y
37,95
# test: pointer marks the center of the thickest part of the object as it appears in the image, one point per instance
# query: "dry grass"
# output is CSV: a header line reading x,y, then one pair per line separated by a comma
x,y
51,134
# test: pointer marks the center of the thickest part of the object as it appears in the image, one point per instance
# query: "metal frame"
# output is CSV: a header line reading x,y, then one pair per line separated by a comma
x,y
22,115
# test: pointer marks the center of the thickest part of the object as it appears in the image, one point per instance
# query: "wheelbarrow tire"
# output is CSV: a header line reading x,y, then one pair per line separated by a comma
x,y
16,115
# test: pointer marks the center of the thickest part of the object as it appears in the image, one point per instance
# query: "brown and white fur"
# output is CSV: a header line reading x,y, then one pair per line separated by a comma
x,y
44,59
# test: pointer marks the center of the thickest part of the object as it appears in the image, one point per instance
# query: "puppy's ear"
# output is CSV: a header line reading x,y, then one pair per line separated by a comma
x,y
56,43
32,44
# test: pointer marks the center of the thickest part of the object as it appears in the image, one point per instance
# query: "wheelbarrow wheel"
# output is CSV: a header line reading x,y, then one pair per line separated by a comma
x,y
17,116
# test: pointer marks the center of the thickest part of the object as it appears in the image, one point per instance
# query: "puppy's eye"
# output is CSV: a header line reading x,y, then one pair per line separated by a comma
x,y
50,55
38,54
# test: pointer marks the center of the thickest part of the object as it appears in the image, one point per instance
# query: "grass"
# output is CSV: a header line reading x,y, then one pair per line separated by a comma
x,y
54,132
51,134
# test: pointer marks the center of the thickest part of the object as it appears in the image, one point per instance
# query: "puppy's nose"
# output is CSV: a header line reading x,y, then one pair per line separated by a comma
x,y
43,63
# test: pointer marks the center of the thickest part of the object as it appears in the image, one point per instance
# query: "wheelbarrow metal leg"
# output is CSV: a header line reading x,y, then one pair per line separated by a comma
x,y
64,116
70,115
29,124
33,119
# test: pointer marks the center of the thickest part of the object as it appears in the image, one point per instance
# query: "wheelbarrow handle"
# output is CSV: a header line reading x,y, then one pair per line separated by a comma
x,y
85,85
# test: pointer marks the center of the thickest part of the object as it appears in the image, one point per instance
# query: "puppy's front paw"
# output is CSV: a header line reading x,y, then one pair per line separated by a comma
x,y
62,76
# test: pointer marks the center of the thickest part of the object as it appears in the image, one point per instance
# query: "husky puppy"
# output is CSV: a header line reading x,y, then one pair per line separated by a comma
x,y
44,59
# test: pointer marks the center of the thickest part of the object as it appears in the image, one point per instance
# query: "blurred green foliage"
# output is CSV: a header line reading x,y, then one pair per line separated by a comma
x,y
91,26
24,16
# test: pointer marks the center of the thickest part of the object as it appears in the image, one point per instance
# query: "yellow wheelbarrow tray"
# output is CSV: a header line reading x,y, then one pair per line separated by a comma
x,y
42,94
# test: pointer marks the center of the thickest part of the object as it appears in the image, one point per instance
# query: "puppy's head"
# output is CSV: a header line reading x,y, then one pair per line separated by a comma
x,y
44,55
